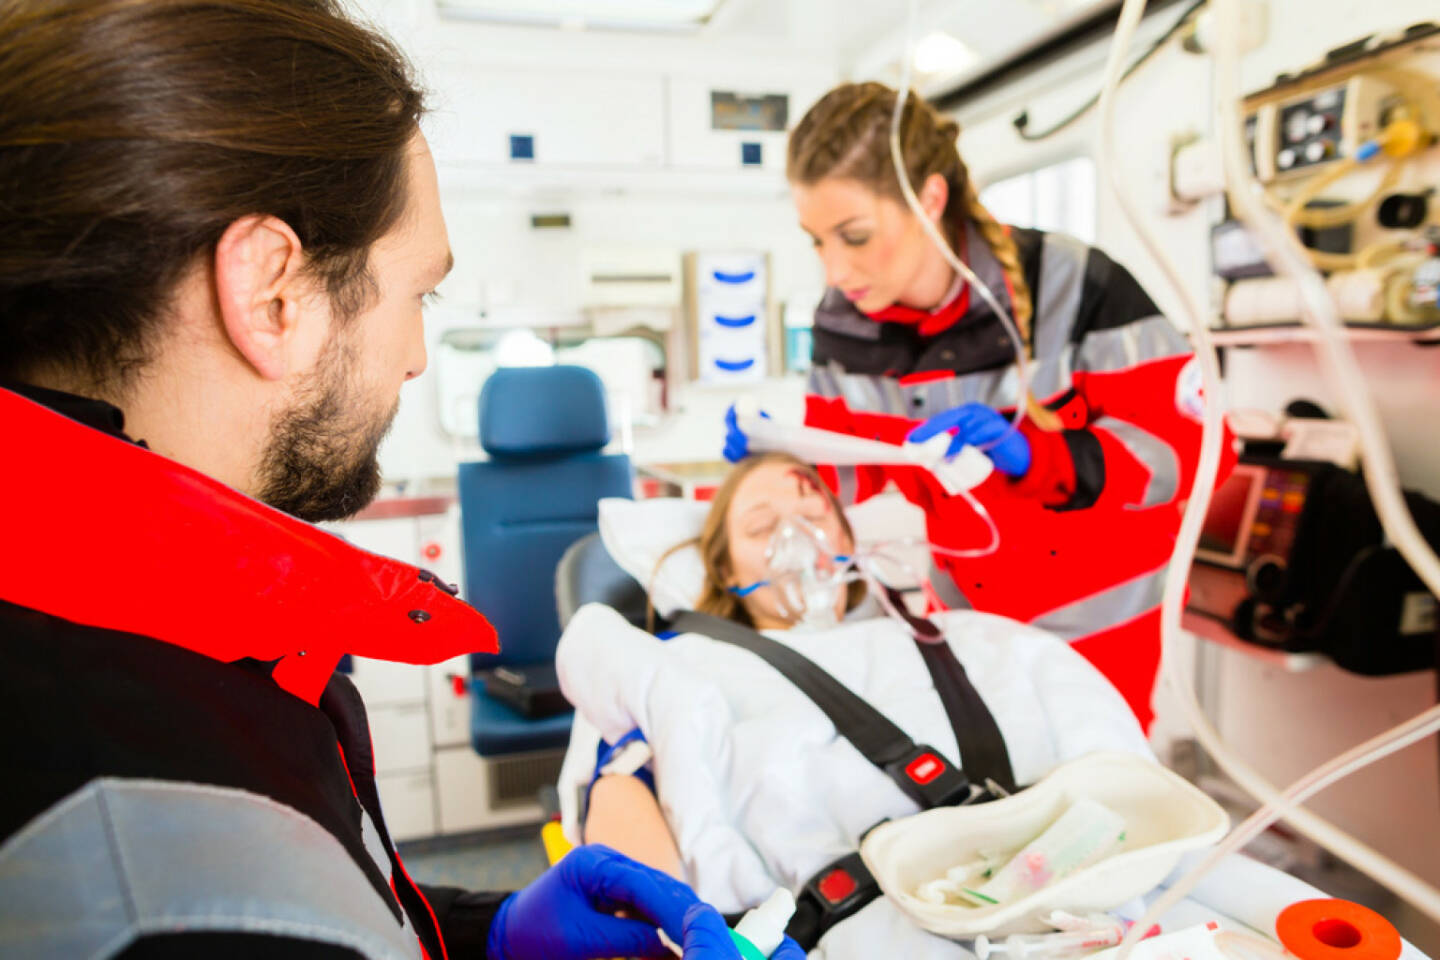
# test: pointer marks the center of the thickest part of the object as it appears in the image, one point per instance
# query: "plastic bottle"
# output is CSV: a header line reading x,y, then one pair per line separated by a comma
x,y
1020,946
760,931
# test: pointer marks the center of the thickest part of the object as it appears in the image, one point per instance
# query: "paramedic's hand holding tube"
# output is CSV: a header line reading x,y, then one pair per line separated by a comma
x,y
568,914
737,445
977,425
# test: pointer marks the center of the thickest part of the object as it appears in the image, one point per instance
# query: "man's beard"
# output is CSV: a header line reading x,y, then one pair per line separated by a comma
x,y
321,462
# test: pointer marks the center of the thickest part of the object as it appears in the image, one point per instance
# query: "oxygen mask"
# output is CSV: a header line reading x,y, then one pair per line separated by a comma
x,y
805,577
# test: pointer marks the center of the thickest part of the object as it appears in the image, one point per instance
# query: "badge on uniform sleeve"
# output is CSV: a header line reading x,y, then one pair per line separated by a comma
x,y
1190,391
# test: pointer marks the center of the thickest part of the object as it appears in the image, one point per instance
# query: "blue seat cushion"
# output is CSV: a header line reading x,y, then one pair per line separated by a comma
x,y
495,729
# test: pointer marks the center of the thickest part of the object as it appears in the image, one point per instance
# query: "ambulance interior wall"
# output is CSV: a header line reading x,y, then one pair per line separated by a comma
x,y
622,148
1283,723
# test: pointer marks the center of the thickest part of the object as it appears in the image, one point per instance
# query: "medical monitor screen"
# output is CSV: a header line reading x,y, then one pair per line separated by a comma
x,y
1225,535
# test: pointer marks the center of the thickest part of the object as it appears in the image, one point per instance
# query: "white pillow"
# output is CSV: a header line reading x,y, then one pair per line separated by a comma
x,y
636,533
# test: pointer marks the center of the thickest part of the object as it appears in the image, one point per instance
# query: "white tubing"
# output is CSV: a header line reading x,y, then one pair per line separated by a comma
x,y
897,156
1398,879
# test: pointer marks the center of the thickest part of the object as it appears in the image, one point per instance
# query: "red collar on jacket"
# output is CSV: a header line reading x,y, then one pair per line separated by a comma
x,y
105,533
926,322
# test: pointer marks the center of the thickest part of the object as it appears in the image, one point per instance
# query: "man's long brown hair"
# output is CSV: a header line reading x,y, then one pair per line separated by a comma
x,y
133,132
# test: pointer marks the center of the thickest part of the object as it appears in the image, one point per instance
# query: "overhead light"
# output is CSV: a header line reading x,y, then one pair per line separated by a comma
x,y
603,14
941,53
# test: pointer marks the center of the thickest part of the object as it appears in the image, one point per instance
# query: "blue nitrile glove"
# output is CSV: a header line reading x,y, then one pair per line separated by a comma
x,y
707,938
977,425
567,914
737,445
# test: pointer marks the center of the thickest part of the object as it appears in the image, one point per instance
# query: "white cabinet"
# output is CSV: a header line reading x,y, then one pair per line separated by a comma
x,y
383,683
401,737
408,802
478,110
449,703
465,793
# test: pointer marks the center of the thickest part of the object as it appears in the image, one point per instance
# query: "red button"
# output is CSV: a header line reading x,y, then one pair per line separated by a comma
x,y
924,768
431,551
836,885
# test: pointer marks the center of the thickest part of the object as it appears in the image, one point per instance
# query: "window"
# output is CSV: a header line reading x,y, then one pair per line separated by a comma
x,y
629,366
1058,197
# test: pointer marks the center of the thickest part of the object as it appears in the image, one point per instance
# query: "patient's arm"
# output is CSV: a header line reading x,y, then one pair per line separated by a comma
x,y
625,815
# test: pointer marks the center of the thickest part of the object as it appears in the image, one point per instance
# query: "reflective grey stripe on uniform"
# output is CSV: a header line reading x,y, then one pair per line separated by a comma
x,y
121,859
849,485
944,586
824,381
1062,281
1157,456
987,267
1132,344
1107,608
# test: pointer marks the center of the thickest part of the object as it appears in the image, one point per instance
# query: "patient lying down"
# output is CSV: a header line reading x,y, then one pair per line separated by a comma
x,y
752,787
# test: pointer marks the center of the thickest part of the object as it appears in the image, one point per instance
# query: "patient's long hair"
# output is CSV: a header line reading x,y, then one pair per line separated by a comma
x,y
714,541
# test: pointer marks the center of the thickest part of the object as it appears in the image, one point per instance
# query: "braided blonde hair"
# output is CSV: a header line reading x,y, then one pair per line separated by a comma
x,y
847,134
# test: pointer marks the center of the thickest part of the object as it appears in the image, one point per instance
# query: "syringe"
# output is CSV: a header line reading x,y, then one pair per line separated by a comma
x,y
1021,945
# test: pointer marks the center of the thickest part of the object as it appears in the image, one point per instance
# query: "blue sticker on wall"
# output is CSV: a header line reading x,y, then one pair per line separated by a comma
x,y
750,155
735,366
735,322
522,146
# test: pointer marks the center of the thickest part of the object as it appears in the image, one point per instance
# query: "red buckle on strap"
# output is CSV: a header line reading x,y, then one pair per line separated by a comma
x,y
836,885
924,768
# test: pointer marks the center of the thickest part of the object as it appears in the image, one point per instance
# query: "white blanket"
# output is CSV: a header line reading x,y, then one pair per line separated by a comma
x,y
754,782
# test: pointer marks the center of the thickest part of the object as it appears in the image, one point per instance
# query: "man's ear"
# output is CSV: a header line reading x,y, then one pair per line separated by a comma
x,y
262,295
934,195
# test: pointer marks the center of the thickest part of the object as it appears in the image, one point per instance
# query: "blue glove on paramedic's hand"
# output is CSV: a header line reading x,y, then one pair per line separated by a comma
x,y
737,445
977,425
707,938
567,914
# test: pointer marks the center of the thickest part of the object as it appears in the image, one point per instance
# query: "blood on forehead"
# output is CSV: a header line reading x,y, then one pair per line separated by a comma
x,y
807,487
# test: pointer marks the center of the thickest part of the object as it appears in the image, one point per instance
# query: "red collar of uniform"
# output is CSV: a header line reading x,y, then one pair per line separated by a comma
x,y
112,535
928,323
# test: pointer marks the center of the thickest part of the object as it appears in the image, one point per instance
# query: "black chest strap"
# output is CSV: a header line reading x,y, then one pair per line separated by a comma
x,y
842,888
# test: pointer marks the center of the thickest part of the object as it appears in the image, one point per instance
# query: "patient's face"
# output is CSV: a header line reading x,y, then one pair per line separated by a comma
x,y
766,496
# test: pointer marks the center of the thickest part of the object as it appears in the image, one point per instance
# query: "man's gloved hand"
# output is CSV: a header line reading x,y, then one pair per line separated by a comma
x,y
567,914
977,425
737,445
707,938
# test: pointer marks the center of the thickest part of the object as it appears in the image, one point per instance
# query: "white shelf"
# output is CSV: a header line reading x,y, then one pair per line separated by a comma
x,y
598,179
1304,333
1215,632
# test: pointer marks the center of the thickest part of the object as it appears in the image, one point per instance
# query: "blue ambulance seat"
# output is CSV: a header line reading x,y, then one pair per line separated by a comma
x,y
543,428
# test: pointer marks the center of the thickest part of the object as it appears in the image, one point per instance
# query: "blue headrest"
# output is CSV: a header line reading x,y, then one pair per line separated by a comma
x,y
542,411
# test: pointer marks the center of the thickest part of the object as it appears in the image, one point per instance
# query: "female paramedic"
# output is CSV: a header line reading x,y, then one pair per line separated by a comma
x,y
1087,494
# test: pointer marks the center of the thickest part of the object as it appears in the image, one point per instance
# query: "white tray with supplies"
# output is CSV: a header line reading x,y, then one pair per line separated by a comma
x,y
1165,818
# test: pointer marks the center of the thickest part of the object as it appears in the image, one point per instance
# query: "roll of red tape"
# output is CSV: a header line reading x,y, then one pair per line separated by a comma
x,y
1336,930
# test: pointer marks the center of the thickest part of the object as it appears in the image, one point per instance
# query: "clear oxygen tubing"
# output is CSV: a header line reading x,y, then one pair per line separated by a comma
x,y
897,157
1400,880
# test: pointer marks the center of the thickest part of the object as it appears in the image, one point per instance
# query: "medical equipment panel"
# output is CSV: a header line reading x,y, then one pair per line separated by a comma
x,y
1347,153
